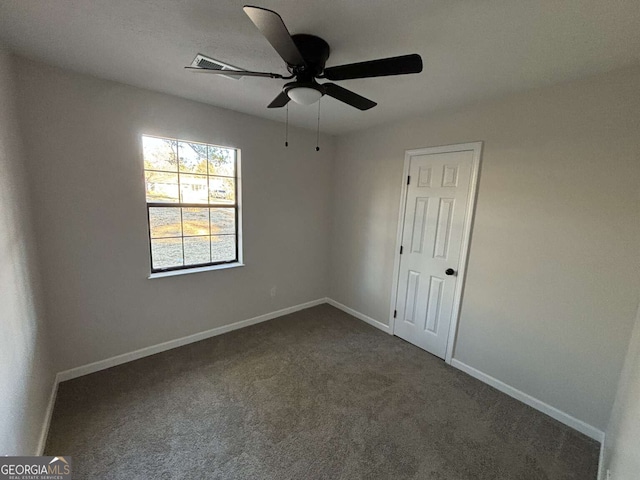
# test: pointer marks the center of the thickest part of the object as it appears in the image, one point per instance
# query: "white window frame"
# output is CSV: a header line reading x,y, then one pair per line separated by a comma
x,y
238,262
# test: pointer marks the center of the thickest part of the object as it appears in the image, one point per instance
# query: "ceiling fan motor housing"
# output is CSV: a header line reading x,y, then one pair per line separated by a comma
x,y
315,52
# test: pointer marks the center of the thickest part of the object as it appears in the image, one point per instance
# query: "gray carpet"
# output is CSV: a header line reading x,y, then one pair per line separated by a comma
x,y
313,395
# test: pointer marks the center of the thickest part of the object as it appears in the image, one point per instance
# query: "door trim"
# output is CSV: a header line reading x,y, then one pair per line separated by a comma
x,y
476,148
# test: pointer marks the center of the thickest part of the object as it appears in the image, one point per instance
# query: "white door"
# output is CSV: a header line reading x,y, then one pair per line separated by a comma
x,y
437,201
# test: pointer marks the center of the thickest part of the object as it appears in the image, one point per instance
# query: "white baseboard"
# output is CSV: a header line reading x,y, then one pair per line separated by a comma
x,y
525,398
152,350
553,412
161,347
382,326
602,475
539,405
47,417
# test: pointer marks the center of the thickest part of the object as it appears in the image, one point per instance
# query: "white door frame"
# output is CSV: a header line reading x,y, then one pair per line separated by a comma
x,y
476,147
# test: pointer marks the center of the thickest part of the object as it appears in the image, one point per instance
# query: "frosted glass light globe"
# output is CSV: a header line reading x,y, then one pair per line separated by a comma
x,y
304,95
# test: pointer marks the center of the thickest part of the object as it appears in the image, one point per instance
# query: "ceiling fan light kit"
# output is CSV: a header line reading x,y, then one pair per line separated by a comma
x,y
303,94
305,56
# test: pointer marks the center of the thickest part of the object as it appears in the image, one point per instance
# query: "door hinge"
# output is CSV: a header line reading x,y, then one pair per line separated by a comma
x,y
409,180
395,313
400,249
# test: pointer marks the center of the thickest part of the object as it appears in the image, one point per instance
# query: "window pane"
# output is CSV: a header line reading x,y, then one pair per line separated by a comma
x,y
195,221
166,253
192,157
223,248
196,250
222,161
193,188
222,190
164,222
159,154
161,187
223,221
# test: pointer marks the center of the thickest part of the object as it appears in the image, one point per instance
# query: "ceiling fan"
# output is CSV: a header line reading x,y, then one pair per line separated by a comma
x,y
305,56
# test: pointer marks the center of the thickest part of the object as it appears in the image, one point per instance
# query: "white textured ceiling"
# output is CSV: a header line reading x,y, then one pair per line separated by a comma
x,y
472,50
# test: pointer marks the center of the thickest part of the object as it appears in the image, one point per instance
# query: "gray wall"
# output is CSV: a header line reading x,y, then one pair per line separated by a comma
x,y
25,369
622,443
86,173
553,276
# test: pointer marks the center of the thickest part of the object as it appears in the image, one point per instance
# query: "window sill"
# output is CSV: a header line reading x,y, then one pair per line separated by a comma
x,y
186,271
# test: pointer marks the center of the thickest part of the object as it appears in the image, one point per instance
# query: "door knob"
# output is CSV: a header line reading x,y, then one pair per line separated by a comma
x,y
450,271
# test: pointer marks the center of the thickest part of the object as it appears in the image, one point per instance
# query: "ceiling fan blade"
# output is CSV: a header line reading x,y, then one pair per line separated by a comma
x,y
280,101
348,97
376,68
234,73
275,31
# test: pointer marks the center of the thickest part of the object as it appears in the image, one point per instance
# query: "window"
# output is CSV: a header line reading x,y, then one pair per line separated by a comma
x,y
192,203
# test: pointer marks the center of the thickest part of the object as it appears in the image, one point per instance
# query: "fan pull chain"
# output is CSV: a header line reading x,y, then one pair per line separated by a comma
x,y
318,130
286,129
